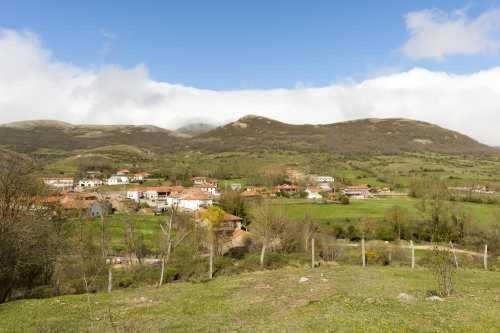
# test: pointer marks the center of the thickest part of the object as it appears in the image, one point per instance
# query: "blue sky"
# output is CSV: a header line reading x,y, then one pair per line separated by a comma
x,y
226,45
171,63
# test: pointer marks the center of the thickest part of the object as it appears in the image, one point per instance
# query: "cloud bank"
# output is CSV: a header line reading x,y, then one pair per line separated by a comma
x,y
435,34
34,85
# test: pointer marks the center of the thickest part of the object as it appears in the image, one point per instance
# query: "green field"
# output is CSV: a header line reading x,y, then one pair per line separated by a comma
x,y
144,224
375,208
335,299
296,208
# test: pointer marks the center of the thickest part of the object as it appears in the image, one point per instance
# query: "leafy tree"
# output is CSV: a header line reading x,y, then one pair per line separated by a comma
x,y
213,216
28,236
232,202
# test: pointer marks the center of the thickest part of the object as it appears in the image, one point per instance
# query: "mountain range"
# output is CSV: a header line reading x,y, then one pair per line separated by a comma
x,y
250,133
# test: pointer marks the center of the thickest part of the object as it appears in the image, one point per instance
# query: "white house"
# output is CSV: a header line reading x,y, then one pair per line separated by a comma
x,y
313,193
118,180
204,181
134,194
89,183
140,177
192,199
357,192
59,182
209,188
324,182
324,179
155,193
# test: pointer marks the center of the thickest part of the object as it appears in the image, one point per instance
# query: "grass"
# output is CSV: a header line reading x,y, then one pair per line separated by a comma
x,y
335,299
296,208
146,225
375,208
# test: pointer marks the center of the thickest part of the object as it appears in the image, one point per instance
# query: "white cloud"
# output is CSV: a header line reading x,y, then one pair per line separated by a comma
x,y
435,34
33,85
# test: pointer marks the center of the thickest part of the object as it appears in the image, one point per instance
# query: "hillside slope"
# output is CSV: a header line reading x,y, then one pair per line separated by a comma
x,y
249,134
367,135
334,299
30,136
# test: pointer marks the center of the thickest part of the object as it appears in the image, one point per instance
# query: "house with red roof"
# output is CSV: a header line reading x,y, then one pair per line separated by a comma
x,y
357,191
314,193
191,199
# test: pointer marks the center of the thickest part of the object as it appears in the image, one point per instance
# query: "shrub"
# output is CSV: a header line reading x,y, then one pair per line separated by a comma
x,y
443,270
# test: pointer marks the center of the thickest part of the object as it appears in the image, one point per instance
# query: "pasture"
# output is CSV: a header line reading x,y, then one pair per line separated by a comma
x,y
335,298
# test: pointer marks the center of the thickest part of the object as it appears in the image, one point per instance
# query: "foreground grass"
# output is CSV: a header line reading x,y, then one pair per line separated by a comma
x,y
335,299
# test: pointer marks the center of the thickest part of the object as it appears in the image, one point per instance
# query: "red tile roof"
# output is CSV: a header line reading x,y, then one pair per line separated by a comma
x,y
192,194
287,187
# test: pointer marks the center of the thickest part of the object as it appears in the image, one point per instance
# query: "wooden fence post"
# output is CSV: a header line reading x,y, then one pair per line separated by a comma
x,y
390,254
454,254
485,258
363,253
313,264
412,255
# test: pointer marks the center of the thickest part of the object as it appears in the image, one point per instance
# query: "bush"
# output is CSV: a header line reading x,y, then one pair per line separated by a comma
x,y
443,270
125,282
344,200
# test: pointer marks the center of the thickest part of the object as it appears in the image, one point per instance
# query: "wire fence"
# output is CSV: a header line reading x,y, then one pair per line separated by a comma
x,y
400,253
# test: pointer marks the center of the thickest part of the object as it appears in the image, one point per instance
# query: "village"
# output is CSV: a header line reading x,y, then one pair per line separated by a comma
x,y
125,191
125,188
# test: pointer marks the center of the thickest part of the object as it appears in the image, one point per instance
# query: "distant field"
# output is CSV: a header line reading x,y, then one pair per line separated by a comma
x,y
296,208
146,225
335,299
375,208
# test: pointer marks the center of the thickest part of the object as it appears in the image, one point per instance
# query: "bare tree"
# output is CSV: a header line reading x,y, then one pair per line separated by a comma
x,y
398,217
268,225
174,231
106,246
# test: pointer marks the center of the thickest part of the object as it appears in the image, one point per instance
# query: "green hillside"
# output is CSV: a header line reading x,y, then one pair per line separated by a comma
x,y
334,299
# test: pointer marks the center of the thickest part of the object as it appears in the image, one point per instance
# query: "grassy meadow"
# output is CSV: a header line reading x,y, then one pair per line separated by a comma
x,y
329,214
375,208
336,298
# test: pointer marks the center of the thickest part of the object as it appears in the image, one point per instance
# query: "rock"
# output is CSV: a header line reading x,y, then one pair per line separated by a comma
x,y
434,299
303,279
406,297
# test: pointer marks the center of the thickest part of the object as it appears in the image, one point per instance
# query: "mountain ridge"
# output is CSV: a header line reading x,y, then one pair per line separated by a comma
x,y
248,133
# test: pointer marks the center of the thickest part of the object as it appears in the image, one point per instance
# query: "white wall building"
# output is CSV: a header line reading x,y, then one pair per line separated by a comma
x,y
59,182
192,199
313,193
134,194
89,183
324,179
118,180
212,189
